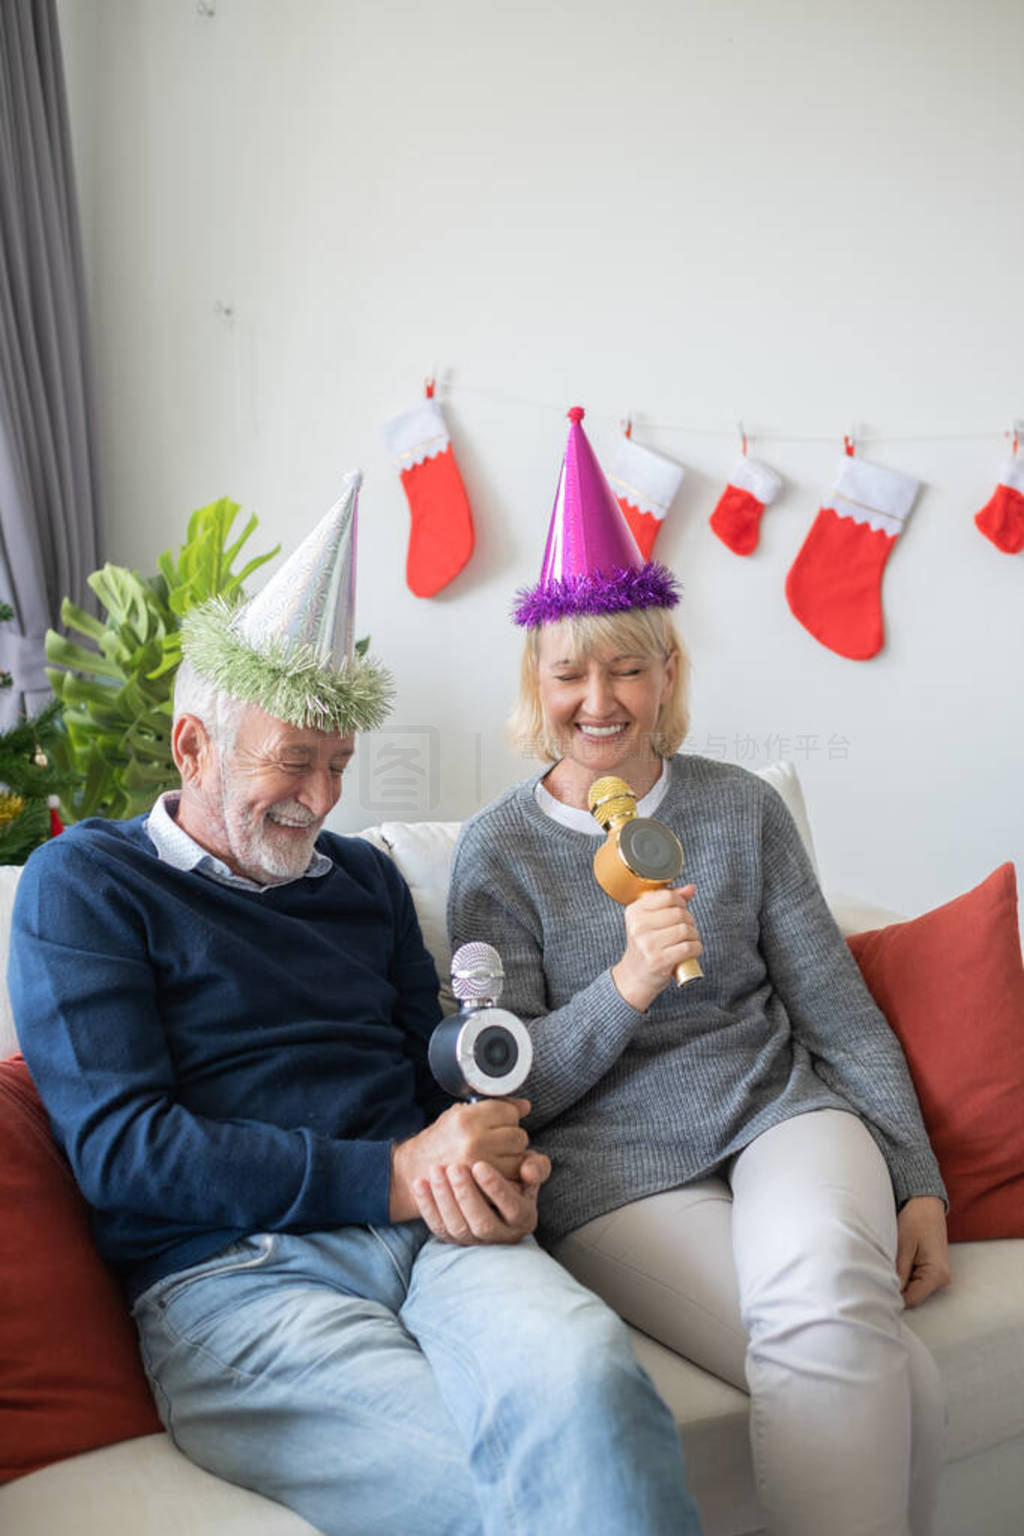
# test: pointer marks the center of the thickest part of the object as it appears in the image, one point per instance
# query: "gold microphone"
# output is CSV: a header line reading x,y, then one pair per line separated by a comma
x,y
640,854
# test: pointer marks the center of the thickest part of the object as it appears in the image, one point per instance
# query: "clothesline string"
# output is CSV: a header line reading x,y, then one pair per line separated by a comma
x,y
696,430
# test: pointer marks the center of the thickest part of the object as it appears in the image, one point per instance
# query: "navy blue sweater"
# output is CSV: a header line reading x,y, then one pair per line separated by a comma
x,y
217,1061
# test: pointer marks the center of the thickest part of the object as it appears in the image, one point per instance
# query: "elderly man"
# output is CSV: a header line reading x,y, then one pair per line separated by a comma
x,y
227,1011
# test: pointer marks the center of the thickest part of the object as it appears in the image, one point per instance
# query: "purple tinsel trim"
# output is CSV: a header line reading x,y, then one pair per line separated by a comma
x,y
652,586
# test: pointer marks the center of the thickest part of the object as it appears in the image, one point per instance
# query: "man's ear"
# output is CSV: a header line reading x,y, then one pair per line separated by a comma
x,y
191,749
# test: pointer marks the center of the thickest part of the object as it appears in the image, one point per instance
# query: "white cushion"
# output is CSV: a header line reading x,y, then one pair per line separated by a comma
x,y
783,777
423,852
143,1487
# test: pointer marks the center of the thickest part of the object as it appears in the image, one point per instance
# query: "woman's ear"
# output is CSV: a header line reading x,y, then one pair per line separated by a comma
x,y
671,673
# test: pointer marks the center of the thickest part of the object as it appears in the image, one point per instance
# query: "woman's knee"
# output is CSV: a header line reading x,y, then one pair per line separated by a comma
x,y
835,1281
826,1244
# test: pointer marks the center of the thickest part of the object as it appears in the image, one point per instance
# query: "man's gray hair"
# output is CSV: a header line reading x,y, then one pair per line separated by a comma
x,y
220,713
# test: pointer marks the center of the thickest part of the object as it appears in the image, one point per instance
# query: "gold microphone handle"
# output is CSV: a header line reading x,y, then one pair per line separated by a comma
x,y
688,970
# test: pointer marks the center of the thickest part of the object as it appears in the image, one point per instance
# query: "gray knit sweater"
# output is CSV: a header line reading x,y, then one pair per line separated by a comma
x,y
625,1103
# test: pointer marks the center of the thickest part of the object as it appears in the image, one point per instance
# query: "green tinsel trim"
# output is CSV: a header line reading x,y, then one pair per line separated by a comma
x,y
285,680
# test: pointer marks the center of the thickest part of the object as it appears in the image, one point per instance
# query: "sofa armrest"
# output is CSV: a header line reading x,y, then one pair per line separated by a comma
x,y
9,877
854,915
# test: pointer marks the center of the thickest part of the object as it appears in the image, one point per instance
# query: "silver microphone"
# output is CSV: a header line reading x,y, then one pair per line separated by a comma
x,y
477,974
482,1051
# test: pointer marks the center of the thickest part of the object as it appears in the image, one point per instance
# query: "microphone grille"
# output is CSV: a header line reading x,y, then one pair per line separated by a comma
x,y
477,972
610,797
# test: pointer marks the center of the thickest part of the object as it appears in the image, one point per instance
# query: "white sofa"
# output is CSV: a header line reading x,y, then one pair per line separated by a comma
x,y
144,1487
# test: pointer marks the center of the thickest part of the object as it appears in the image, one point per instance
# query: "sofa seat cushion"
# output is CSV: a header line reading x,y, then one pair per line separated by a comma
x,y
139,1488
975,1330
713,1422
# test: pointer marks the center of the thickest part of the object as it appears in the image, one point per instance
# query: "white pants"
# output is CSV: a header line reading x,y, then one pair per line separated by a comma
x,y
787,1288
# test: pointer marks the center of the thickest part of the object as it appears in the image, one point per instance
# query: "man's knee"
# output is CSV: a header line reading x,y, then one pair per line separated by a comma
x,y
586,1356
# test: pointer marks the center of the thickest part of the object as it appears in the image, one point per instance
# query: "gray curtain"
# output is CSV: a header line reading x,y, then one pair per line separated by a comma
x,y
49,539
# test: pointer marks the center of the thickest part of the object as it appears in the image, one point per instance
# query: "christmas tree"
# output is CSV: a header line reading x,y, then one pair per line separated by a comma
x,y
28,780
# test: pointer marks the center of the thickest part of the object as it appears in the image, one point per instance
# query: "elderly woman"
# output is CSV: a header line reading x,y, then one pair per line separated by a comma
x,y
740,1165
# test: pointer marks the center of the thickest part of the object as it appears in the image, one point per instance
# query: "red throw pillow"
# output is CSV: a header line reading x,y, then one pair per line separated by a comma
x,y
951,984
70,1374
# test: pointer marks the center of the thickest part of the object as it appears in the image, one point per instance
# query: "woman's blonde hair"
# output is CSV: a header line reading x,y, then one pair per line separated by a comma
x,y
637,632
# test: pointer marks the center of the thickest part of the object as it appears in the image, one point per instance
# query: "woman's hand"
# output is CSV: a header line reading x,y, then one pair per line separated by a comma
x,y
660,934
922,1250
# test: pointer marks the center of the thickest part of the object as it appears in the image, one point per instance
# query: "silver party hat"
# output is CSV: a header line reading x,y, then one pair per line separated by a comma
x,y
290,649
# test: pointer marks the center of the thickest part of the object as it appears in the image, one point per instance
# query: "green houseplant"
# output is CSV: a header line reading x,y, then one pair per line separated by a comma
x,y
116,690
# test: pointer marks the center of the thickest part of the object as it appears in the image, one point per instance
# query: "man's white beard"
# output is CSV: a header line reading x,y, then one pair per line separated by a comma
x,y
266,855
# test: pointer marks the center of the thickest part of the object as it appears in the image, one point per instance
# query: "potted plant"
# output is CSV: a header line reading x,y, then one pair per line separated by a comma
x,y
116,690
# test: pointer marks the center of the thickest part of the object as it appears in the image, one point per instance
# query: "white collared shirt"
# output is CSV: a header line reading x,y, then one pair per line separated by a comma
x,y
174,846
582,821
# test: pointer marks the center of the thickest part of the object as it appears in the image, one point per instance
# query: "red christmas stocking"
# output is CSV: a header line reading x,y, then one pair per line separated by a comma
x,y
737,517
1002,518
834,586
441,535
645,484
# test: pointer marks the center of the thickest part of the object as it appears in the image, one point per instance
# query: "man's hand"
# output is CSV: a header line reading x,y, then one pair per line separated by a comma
x,y
478,1205
660,934
464,1136
922,1251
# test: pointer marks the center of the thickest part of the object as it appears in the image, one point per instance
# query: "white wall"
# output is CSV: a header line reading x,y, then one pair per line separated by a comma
x,y
801,214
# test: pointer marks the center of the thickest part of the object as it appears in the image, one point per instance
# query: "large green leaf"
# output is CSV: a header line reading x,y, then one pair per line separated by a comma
x,y
65,653
73,617
116,689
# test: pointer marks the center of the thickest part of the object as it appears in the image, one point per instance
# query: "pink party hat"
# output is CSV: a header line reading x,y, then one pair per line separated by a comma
x,y
591,560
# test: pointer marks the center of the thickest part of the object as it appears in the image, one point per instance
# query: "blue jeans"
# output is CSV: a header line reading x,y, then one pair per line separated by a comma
x,y
377,1381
